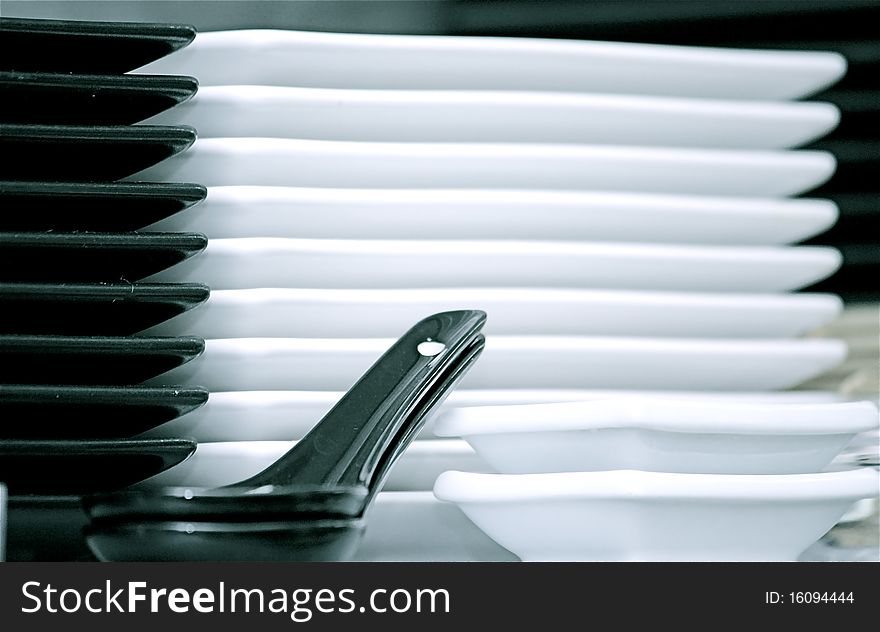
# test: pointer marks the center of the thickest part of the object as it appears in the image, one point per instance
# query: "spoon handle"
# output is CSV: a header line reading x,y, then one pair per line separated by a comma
x,y
359,439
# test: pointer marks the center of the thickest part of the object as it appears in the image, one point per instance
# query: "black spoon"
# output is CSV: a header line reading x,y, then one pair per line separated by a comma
x,y
70,46
87,153
92,257
57,99
92,206
82,467
93,309
86,360
91,412
310,504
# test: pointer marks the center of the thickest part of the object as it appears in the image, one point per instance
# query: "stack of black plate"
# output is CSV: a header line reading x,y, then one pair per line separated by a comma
x,y
72,295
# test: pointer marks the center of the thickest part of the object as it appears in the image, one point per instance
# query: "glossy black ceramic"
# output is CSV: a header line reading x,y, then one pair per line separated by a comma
x,y
92,257
29,411
92,206
86,153
91,360
61,99
72,46
83,466
93,309
310,504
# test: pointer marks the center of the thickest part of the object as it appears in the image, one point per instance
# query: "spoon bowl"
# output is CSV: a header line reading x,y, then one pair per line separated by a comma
x,y
308,540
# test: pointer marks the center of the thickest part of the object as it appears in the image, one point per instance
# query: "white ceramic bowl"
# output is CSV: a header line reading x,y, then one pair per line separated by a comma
x,y
659,435
416,527
651,516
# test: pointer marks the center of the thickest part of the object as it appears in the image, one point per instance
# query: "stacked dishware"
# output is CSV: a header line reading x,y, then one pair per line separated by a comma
x,y
73,257
622,213
843,27
384,187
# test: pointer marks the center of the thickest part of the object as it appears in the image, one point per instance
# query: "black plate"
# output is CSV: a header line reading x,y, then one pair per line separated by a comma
x,y
91,412
82,467
85,153
92,257
86,47
81,360
92,206
46,529
93,309
89,99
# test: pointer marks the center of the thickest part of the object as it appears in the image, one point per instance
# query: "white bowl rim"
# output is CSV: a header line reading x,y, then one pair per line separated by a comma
x,y
634,485
836,418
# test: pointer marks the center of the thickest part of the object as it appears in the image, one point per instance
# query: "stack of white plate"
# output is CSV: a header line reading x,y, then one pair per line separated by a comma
x,y
623,213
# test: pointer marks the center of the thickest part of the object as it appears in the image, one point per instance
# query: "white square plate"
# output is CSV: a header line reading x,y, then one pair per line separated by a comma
x,y
289,415
326,263
502,117
514,362
384,165
317,313
254,211
342,60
